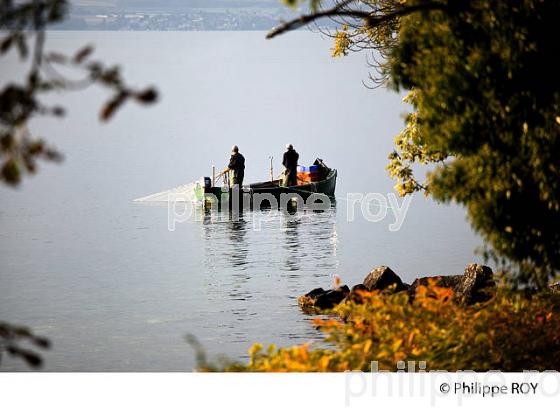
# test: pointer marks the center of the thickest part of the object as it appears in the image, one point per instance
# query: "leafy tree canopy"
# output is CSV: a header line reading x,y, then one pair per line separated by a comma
x,y
485,94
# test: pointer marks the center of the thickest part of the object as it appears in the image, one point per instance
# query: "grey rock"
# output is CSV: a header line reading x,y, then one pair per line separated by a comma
x,y
320,299
382,278
477,284
451,281
474,286
315,292
331,298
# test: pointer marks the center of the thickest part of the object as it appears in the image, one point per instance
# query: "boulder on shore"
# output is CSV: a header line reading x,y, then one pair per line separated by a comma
x,y
320,299
383,277
475,285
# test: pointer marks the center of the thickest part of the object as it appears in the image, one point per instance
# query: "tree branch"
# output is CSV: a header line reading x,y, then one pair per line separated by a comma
x,y
371,19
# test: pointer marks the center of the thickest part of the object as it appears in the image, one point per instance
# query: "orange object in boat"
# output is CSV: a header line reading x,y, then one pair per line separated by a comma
x,y
303,178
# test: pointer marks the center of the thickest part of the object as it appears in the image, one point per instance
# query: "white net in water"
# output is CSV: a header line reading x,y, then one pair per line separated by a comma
x,y
192,192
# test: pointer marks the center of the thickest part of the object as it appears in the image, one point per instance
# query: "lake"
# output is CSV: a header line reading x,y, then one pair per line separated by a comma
x,y
116,290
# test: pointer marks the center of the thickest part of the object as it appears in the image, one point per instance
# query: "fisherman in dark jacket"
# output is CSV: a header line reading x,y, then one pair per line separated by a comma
x,y
290,162
237,165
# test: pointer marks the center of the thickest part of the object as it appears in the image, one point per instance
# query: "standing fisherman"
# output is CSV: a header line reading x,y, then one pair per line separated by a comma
x,y
290,162
237,165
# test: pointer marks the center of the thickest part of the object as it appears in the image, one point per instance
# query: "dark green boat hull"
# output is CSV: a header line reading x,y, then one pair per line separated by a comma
x,y
257,194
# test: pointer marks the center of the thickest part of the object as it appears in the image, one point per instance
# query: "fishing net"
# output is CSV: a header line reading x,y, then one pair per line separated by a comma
x,y
192,192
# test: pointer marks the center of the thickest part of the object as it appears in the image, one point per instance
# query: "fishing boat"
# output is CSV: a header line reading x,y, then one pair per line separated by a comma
x,y
320,189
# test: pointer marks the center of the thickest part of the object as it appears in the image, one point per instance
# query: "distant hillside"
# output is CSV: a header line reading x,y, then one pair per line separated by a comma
x,y
174,5
160,15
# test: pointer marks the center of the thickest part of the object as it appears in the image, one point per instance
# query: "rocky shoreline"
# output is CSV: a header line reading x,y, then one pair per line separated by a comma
x,y
475,285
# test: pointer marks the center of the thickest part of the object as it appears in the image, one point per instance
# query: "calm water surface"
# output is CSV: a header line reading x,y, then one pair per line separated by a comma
x,y
115,290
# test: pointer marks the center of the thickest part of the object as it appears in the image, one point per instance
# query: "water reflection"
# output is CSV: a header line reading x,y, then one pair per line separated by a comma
x,y
290,250
306,237
292,243
237,231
